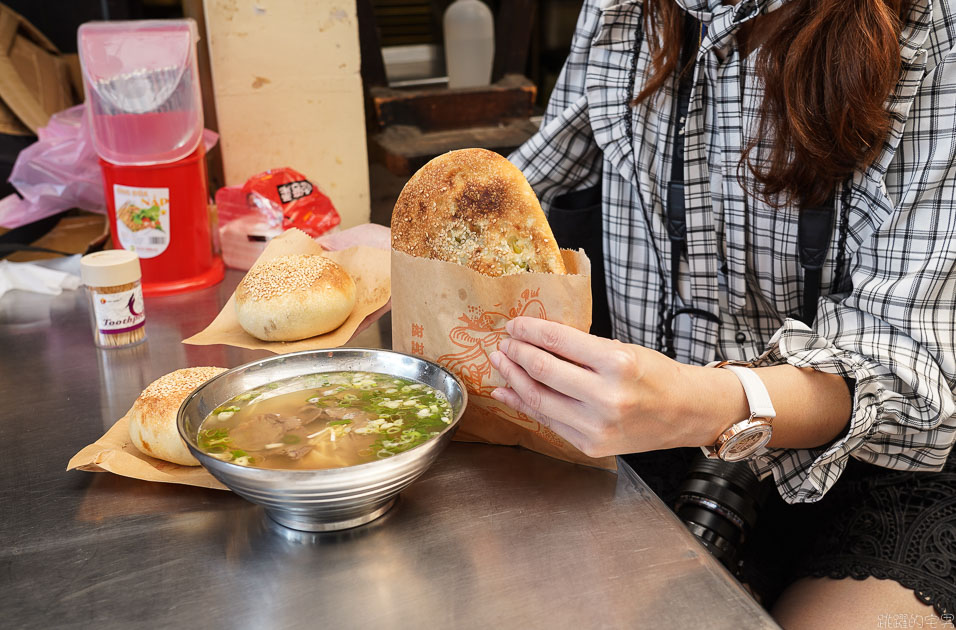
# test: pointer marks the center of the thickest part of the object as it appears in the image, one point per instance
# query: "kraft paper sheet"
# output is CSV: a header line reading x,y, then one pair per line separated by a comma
x,y
115,453
368,266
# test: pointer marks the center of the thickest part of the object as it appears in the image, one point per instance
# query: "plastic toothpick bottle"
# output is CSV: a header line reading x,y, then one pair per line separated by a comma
x,y
469,43
112,279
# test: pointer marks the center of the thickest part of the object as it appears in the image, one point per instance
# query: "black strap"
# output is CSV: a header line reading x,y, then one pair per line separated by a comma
x,y
813,240
676,223
676,213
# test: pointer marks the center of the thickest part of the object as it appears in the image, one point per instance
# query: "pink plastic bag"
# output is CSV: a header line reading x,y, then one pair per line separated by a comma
x,y
60,171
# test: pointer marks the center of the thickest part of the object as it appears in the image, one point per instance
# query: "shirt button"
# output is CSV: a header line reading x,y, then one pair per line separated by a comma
x,y
740,337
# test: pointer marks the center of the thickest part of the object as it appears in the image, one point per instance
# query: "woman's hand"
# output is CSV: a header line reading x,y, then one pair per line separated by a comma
x,y
370,235
606,397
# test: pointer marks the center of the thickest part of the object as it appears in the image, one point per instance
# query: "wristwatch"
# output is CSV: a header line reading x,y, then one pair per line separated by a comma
x,y
743,439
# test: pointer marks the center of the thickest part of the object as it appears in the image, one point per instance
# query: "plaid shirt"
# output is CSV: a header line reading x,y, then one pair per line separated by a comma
x,y
888,322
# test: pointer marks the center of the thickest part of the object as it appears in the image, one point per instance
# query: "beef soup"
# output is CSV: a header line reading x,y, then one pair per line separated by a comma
x,y
325,420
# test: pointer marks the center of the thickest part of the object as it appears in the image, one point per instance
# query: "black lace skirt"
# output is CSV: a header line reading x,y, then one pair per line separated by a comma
x,y
874,522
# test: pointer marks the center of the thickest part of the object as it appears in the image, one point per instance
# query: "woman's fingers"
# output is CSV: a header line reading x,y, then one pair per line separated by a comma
x,y
560,375
509,397
559,339
537,398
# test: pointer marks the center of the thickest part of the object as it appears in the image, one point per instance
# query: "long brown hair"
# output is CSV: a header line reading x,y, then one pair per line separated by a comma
x,y
827,70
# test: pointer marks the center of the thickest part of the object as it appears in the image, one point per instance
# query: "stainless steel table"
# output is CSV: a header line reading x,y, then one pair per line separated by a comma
x,y
490,537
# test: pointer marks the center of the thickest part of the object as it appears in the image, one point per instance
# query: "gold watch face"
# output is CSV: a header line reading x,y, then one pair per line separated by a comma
x,y
745,443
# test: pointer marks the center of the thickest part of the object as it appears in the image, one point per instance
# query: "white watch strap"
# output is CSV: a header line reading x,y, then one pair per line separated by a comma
x,y
757,395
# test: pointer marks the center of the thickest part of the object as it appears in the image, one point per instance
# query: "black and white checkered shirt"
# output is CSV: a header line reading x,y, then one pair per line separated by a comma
x,y
889,323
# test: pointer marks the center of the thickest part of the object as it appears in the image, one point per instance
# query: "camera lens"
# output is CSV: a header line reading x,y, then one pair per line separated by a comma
x,y
719,503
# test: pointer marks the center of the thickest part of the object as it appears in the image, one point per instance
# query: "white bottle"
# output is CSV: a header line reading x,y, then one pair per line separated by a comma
x,y
469,43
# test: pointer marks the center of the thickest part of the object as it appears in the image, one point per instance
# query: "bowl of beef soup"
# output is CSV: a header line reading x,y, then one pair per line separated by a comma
x,y
323,439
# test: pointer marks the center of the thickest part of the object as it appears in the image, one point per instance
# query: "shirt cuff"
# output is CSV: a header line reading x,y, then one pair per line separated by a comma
x,y
805,475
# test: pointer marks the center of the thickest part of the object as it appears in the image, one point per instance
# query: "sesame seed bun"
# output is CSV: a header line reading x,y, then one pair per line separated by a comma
x,y
475,208
152,420
294,297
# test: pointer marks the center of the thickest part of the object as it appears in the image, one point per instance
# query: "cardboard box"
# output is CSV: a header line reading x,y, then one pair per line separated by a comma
x,y
34,77
288,93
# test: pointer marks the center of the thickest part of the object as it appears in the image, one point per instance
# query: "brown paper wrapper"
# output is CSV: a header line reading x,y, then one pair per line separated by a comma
x,y
456,317
369,268
115,453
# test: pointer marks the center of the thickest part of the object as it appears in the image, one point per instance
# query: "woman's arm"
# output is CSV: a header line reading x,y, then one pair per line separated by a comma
x,y
813,408
607,398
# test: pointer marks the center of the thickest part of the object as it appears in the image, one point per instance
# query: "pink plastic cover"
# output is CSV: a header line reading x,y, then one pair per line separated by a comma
x,y
142,89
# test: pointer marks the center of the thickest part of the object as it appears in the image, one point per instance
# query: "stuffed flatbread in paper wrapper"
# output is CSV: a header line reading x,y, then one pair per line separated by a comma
x,y
472,249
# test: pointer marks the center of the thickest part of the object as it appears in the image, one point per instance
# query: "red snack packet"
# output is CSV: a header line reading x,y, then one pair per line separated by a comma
x,y
301,203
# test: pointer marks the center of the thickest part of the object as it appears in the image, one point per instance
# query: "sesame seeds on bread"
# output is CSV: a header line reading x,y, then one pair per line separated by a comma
x,y
475,208
294,297
152,420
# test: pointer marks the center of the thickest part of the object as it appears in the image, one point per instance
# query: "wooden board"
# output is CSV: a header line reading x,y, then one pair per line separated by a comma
x,y
405,149
436,109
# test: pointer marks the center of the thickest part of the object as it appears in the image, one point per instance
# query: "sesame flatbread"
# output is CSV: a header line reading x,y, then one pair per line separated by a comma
x,y
152,420
475,208
294,297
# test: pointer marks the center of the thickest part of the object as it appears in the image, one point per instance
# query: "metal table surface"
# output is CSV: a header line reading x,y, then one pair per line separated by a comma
x,y
489,537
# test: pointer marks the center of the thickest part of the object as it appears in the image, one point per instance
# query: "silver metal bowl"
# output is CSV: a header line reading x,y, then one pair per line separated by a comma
x,y
329,499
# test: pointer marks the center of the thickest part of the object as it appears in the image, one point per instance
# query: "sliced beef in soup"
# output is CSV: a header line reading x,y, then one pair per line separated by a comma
x,y
262,429
310,413
294,451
